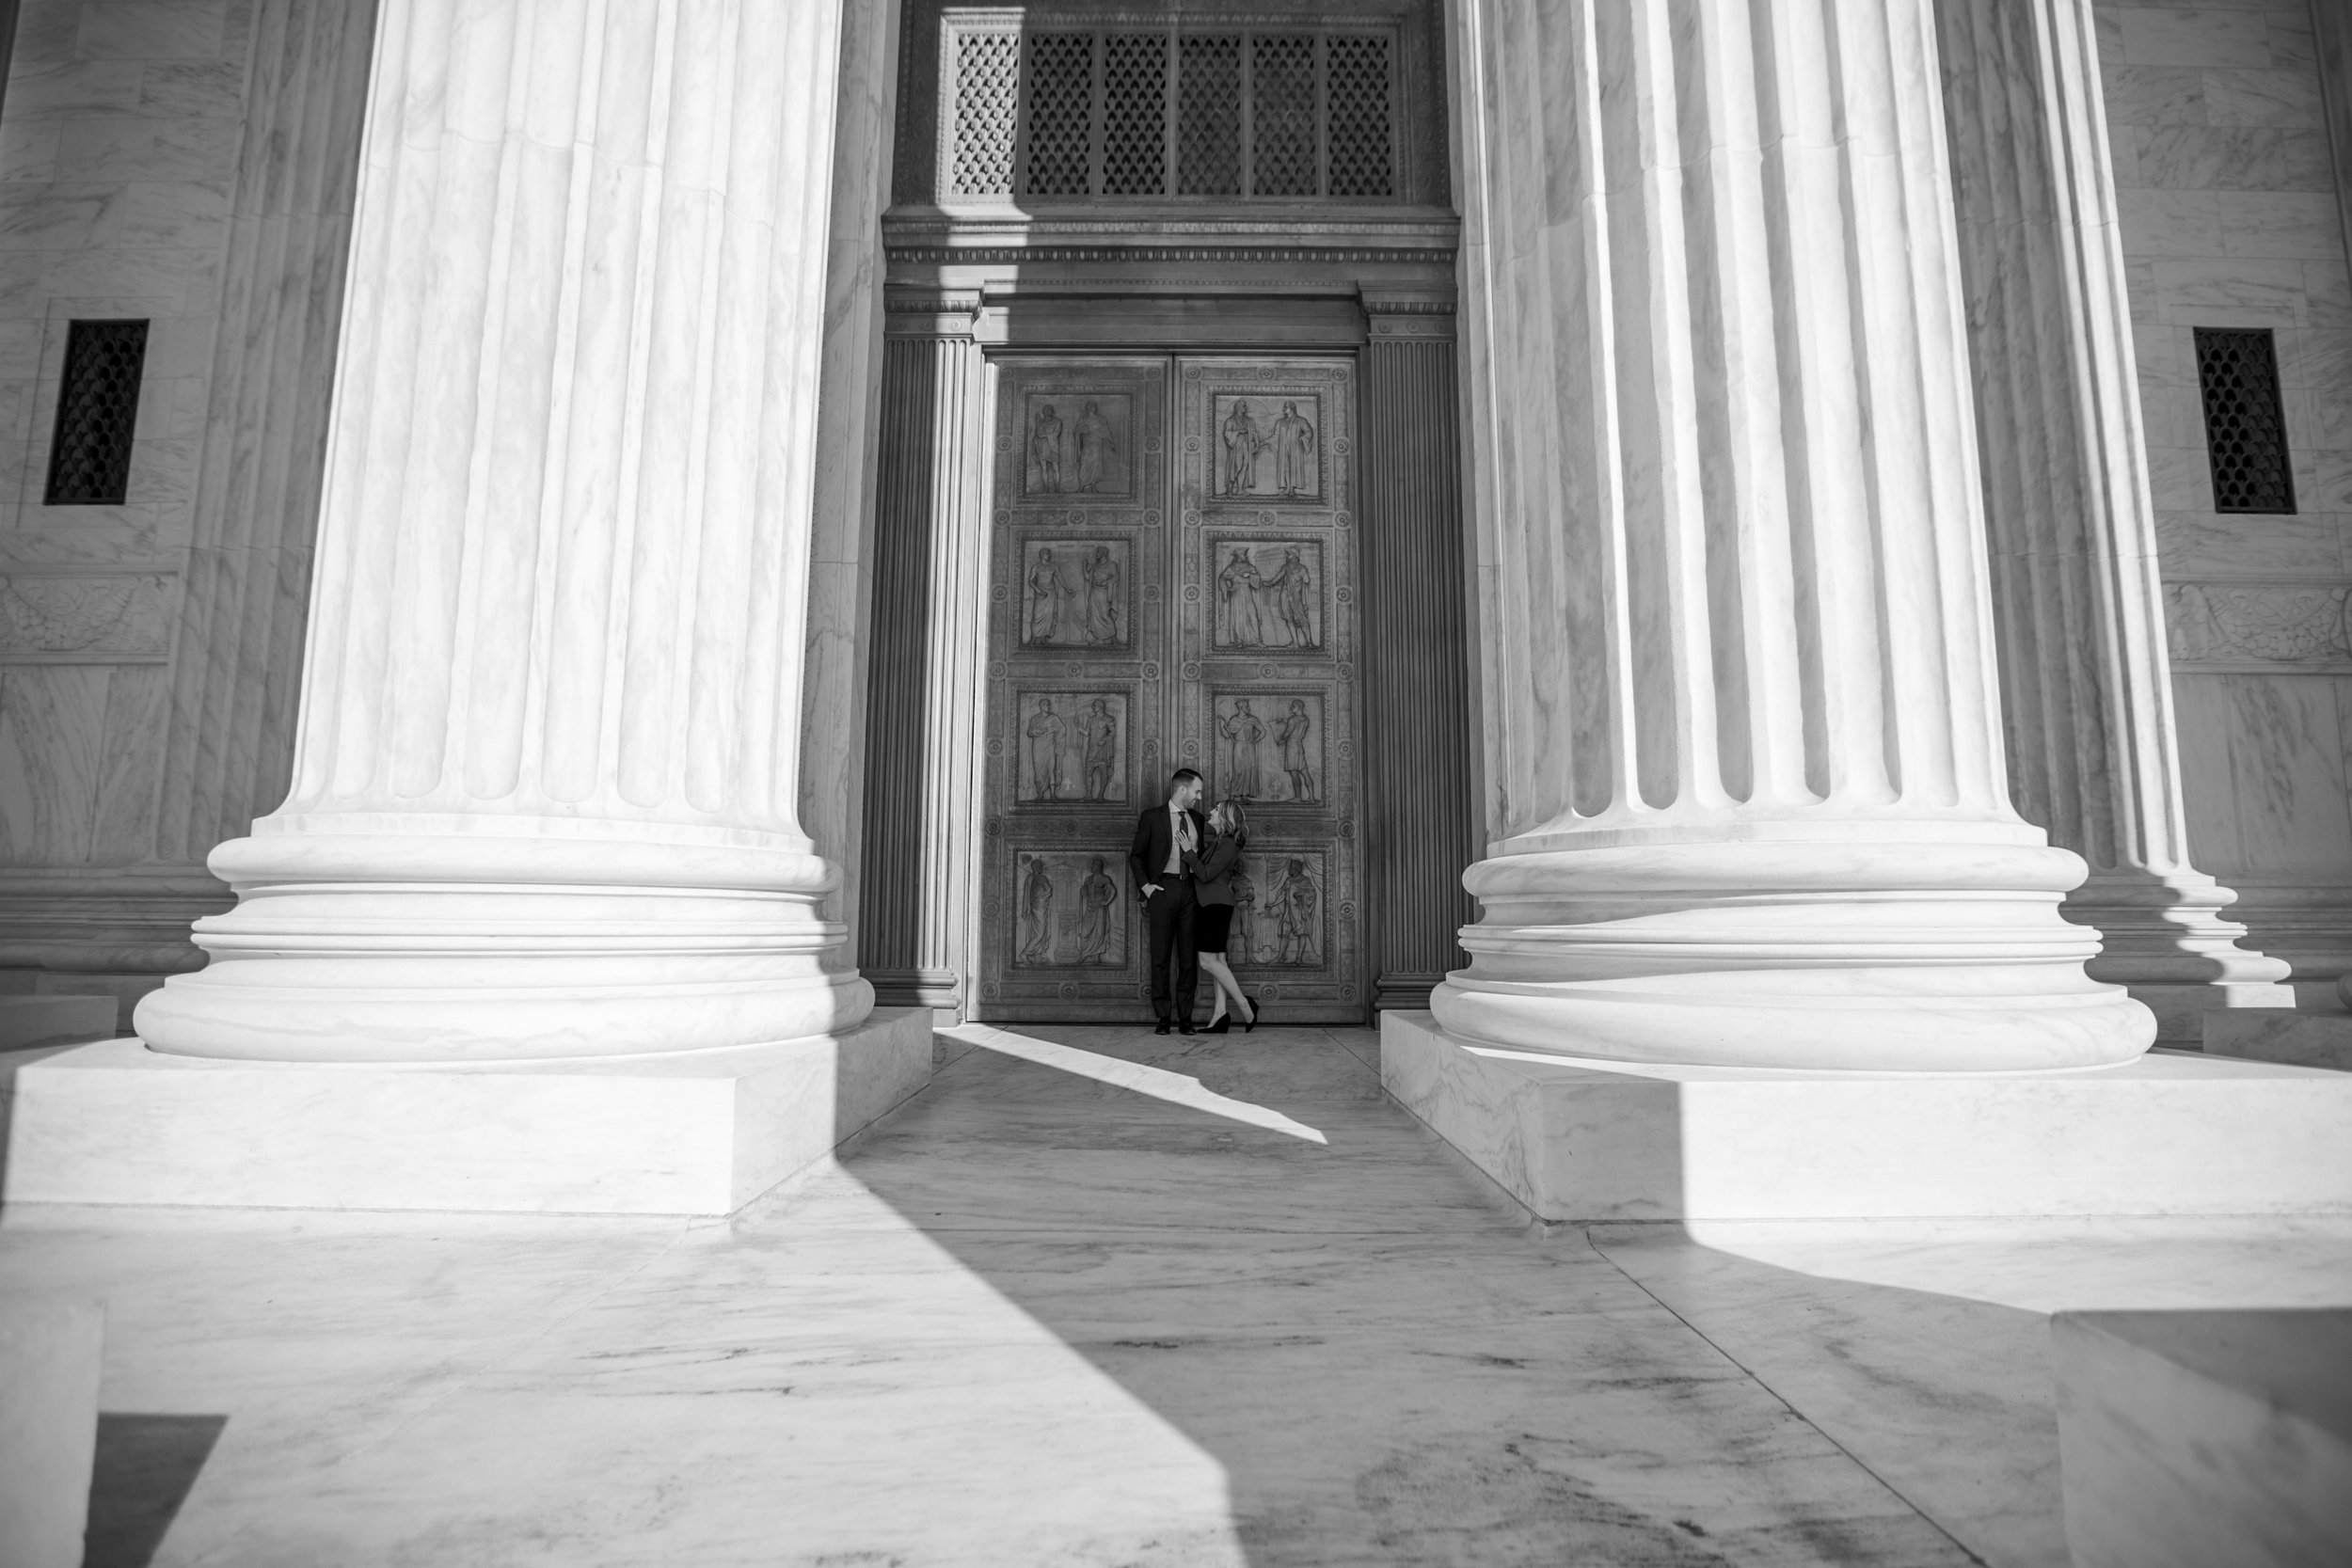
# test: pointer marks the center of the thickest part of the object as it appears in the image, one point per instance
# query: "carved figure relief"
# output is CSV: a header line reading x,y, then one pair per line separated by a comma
x,y
1067,912
1037,910
1072,746
1268,445
1269,596
1278,911
1076,445
1270,745
1074,594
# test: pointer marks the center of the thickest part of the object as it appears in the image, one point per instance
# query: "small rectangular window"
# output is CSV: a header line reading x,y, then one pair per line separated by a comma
x,y
98,407
2246,428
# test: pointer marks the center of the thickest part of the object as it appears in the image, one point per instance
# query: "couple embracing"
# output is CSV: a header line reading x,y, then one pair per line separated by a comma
x,y
1183,865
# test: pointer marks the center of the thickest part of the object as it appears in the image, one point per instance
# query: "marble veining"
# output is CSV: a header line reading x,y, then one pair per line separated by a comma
x,y
1038,1318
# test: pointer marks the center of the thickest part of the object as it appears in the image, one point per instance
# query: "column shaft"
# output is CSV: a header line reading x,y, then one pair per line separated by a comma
x,y
929,598
2085,680
1748,759
1420,825
545,790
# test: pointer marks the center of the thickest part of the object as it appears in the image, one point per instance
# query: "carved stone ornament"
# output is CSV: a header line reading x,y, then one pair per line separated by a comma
x,y
2272,623
114,614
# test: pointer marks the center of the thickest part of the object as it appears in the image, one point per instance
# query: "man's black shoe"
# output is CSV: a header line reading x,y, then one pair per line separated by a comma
x,y
1183,1028
1161,1028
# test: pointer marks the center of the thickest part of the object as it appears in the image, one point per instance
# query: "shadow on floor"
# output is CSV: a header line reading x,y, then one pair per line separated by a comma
x,y
1391,1366
144,1470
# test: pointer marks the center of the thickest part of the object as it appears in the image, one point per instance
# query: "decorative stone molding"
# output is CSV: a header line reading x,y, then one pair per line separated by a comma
x,y
2268,625
97,617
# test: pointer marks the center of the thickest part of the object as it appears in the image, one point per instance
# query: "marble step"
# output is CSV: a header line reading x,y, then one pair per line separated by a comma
x,y
2192,1438
30,1020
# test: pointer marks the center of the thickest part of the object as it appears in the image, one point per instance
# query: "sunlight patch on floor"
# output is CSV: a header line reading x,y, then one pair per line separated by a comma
x,y
1158,1083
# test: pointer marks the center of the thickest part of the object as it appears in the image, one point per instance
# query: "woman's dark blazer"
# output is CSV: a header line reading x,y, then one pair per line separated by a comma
x,y
1213,872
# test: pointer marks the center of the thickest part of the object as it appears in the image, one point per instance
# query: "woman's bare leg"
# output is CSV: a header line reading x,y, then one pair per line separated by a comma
x,y
1226,986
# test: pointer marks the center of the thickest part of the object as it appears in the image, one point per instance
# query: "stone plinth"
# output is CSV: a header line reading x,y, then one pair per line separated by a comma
x,y
694,1132
2189,1439
2168,1134
49,1363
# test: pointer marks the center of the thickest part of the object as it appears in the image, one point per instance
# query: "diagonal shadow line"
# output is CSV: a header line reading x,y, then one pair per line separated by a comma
x,y
1158,1083
143,1470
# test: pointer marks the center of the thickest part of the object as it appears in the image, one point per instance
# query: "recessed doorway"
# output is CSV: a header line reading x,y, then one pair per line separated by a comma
x,y
1173,585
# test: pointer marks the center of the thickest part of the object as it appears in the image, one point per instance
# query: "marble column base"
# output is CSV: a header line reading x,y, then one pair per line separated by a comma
x,y
2167,1133
699,1133
2193,1438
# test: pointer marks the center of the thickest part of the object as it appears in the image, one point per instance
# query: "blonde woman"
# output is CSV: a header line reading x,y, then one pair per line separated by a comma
x,y
1213,870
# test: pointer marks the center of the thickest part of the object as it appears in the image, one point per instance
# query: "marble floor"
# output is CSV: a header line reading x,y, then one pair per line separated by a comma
x,y
1097,1298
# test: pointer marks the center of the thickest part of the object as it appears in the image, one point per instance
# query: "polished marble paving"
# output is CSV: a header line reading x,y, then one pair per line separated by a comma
x,y
1101,1297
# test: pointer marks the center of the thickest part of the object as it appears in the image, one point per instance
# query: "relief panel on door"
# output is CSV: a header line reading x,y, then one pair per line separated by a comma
x,y
1077,705
1265,625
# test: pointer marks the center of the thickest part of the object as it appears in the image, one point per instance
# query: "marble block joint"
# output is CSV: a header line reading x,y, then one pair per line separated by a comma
x,y
691,1133
2167,1134
545,785
1743,722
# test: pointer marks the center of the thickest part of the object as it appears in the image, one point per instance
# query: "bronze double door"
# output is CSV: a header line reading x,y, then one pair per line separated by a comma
x,y
1172,584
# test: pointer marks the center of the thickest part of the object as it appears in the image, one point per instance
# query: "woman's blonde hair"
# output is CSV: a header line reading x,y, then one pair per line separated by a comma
x,y
1236,820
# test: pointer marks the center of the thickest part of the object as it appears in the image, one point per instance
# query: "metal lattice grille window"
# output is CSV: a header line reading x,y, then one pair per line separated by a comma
x,y
1190,110
987,85
2246,430
98,407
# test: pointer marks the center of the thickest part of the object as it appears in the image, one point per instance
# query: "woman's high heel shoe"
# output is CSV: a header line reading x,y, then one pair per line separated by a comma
x,y
1223,1025
1257,1012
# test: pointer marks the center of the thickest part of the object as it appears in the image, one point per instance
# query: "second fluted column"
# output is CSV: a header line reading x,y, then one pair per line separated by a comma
x,y
1744,737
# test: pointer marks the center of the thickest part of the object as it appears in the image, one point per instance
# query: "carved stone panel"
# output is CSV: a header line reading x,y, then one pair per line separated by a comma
x,y
1070,910
1269,745
1076,591
1072,747
1078,442
1267,595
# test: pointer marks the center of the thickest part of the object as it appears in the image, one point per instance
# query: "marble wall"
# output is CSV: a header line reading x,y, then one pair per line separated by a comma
x,y
2231,218
186,164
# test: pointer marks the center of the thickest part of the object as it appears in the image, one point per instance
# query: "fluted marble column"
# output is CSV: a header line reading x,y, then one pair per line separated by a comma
x,y
544,802
2086,683
930,603
1745,739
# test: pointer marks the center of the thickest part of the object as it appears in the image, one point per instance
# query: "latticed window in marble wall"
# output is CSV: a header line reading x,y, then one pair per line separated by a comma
x,y
1134,114
1359,87
1060,113
988,80
98,405
2246,432
1200,108
1208,114
1282,115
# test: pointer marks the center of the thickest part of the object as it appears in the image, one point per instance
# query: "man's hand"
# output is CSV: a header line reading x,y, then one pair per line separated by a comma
x,y
1150,888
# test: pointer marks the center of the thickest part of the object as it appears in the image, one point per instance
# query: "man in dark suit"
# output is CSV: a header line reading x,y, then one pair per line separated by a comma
x,y
1165,835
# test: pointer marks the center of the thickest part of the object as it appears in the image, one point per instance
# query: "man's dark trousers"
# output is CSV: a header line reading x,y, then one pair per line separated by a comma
x,y
1170,912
